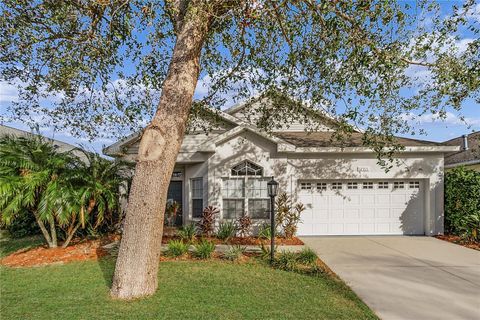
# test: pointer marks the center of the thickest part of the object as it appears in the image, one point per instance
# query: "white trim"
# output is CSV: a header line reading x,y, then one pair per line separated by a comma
x,y
465,163
441,149
209,146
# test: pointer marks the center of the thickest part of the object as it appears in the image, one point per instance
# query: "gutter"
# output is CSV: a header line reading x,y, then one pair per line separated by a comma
x,y
464,163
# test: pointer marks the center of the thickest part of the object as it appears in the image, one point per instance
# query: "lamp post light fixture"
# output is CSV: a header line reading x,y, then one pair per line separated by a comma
x,y
272,188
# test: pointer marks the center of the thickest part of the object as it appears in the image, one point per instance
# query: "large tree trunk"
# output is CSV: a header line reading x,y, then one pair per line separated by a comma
x,y
138,258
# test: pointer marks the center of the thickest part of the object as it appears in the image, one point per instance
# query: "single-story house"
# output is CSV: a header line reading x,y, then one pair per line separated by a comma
x,y
469,154
344,190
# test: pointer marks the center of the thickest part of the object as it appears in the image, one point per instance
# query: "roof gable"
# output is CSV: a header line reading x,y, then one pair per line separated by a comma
x,y
209,121
281,113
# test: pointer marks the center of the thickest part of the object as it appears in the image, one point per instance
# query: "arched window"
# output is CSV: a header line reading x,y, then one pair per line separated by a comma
x,y
245,192
247,168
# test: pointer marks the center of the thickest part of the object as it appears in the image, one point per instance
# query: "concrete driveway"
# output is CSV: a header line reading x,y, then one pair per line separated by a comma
x,y
406,277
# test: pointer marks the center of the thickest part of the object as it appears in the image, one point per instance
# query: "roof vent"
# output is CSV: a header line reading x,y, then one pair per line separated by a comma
x,y
465,142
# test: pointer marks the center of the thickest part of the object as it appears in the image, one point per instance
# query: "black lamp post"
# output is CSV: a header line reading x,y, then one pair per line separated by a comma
x,y
272,187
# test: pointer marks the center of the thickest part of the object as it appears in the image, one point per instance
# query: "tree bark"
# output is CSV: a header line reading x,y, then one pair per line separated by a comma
x,y
70,235
138,258
44,230
53,233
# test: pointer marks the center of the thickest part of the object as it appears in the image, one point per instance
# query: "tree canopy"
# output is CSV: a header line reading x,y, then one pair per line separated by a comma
x,y
101,64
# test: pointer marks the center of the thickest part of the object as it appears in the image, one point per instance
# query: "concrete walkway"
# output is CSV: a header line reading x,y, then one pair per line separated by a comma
x,y
406,277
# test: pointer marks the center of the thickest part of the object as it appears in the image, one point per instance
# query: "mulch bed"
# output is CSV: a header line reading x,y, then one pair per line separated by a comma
x,y
246,241
458,240
83,250
40,256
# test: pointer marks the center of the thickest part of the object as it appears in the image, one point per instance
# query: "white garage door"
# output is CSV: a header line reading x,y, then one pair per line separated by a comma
x,y
355,207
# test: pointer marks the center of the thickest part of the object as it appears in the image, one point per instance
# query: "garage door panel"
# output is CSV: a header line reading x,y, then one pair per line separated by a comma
x,y
320,228
382,228
368,199
352,228
382,199
336,228
371,208
353,200
351,213
382,213
367,213
367,228
320,201
399,199
320,216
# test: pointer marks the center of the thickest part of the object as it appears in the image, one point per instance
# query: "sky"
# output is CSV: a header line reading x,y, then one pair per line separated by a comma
x,y
437,130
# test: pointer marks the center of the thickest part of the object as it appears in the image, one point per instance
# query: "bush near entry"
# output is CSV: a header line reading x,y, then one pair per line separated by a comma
x,y
462,203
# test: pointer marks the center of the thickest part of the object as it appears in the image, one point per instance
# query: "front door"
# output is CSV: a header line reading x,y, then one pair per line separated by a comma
x,y
175,194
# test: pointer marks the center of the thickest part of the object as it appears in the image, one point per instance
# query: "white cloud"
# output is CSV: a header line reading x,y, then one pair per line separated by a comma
x,y
474,13
449,119
8,92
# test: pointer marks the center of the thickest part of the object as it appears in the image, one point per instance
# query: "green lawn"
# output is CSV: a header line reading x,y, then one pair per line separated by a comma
x,y
188,290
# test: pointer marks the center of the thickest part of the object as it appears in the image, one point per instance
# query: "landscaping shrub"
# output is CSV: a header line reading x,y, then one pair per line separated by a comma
x,y
207,222
244,225
264,231
265,251
462,203
287,215
286,260
23,225
304,261
234,253
204,249
226,230
307,256
172,210
188,233
176,248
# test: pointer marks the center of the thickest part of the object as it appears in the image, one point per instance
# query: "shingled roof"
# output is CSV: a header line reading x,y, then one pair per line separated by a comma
x,y
469,156
326,139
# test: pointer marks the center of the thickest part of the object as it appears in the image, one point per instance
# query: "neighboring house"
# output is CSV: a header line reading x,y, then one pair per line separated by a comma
x,y
469,154
60,145
344,190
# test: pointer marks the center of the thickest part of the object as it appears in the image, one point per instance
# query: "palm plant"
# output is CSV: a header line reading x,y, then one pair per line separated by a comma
x,y
31,175
97,184
59,189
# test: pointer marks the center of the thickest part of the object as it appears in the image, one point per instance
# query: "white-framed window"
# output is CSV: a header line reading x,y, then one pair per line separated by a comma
x,y
247,168
383,185
197,197
336,185
398,185
257,196
305,186
367,185
321,186
414,185
233,193
352,185
245,192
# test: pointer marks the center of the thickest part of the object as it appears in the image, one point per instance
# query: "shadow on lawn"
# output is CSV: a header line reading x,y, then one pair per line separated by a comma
x,y
107,265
